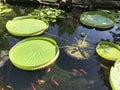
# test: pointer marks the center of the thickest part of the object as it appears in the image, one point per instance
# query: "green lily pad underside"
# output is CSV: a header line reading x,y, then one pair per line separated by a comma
x,y
108,50
33,53
115,77
26,27
97,19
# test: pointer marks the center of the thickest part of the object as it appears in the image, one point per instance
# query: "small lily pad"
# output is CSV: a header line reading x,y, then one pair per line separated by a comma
x,y
97,19
34,53
26,27
108,50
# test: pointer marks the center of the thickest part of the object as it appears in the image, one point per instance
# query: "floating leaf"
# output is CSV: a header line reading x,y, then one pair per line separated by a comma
x,y
34,53
108,50
26,27
97,19
115,76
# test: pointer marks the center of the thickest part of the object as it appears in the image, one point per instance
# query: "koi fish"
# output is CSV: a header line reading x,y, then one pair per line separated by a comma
x,y
83,71
40,81
33,87
75,70
48,69
55,82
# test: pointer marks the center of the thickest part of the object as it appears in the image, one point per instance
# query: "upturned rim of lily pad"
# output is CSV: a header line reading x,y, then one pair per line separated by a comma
x,y
26,26
114,76
103,54
34,53
100,25
111,79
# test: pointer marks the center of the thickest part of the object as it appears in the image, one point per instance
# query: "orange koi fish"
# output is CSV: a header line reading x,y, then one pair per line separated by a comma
x,y
83,71
48,69
33,87
55,82
75,70
40,81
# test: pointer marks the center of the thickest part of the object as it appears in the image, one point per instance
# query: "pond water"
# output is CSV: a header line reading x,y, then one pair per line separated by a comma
x,y
66,33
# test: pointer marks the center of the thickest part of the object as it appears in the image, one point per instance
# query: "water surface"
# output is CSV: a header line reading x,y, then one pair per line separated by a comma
x,y
65,32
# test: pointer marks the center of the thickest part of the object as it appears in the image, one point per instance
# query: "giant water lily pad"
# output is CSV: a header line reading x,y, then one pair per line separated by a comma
x,y
34,53
97,19
108,50
26,27
115,77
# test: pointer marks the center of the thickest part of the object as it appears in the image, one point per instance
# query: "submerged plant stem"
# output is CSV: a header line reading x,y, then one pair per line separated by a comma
x,y
85,37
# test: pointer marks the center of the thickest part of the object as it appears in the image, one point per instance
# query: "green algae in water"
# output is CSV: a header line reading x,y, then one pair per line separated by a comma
x,y
108,50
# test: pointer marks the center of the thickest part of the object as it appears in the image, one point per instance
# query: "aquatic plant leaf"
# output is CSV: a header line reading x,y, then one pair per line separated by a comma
x,y
48,14
108,50
97,19
34,53
26,27
7,10
115,77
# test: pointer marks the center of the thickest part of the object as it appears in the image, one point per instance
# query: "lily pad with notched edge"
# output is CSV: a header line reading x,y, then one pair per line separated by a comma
x,y
97,19
115,77
108,50
34,53
26,27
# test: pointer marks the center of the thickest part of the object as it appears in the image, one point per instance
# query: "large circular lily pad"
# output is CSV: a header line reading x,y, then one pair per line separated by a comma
x,y
108,50
34,53
26,27
115,77
97,19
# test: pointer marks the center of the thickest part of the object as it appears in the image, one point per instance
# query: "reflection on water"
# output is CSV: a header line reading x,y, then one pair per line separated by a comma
x,y
65,32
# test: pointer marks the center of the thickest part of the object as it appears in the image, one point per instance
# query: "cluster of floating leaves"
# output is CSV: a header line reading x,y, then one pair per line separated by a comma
x,y
4,9
48,14
5,12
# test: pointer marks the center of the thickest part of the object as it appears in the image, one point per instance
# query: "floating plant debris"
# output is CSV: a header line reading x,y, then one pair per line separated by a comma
x,y
3,57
